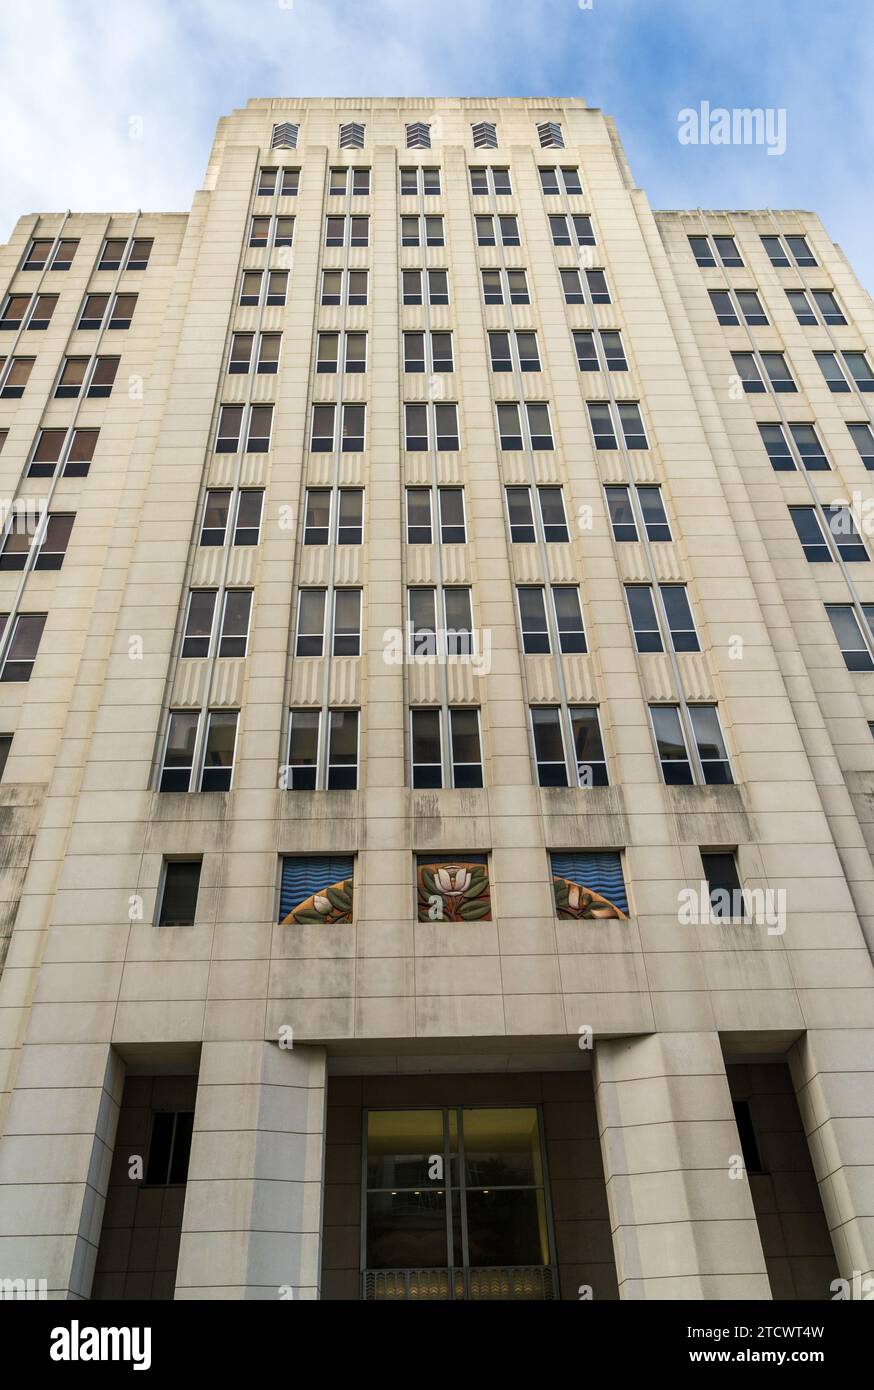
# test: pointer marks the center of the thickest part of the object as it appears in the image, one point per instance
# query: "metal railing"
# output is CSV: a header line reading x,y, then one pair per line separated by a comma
x,y
499,1283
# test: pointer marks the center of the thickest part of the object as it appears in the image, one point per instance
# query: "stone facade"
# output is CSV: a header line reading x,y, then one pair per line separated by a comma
x,y
650,1006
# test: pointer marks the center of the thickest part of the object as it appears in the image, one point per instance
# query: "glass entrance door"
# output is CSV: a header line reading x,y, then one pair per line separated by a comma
x,y
456,1205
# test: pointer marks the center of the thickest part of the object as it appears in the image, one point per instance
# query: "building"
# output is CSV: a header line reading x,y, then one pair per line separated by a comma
x,y
437,710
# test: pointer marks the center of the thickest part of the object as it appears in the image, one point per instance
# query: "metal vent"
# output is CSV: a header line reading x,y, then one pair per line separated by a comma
x,y
485,135
418,136
284,136
550,135
352,136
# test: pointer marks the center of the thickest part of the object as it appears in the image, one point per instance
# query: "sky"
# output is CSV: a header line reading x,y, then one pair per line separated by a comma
x,y
79,76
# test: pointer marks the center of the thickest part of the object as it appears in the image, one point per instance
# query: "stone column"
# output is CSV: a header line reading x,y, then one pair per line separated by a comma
x,y
683,1226
55,1158
833,1073
252,1222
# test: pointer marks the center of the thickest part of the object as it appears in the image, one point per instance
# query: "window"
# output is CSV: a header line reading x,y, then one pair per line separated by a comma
x,y
441,352
198,623
532,619
845,625
622,513
828,306
748,372
352,428
350,517
630,422
588,885
725,247
438,286
776,250
527,354
50,536
412,286
37,253
844,534
521,518
219,747
14,309
49,448
724,309
341,767
778,254
54,541
720,874
310,622
420,179
549,751
422,622
550,136
751,308
464,747
122,311
813,542
485,135
5,748
179,751
862,436
582,228
806,442
112,253
611,345
507,226
23,647
419,530
860,370
444,425
672,750
831,370
44,307
644,622
549,180
452,528
75,371
778,372
234,634
284,136
347,622
538,422
14,376
179,898
169,1148
337,229
316,889
588,748
216,512
569,618
418,135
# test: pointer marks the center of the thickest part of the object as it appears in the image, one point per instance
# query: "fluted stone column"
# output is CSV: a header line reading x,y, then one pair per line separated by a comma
x,y
683,1226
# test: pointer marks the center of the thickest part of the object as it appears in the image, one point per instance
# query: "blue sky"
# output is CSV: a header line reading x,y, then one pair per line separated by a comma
x,y
76,71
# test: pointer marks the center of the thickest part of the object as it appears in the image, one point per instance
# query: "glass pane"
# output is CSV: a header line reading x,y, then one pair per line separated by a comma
x,y
401,1146
502,1147
406,1230
507,1227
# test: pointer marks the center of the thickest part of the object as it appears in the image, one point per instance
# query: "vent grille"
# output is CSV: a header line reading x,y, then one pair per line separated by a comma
x,y
284,136
352,136
418,136
485,135
550,135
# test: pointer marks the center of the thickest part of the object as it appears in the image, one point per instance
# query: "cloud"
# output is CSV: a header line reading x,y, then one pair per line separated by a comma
x,y
77,71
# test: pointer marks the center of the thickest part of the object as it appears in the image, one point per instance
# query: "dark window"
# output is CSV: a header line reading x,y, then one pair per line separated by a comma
x,y
169,1148
748,1146
179,899
720,873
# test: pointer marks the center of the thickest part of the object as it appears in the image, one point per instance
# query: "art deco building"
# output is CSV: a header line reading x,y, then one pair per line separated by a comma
x,y
437,689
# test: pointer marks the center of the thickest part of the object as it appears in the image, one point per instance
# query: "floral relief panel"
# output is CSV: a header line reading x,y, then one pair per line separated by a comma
x,y
316,889
588,885
453,889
